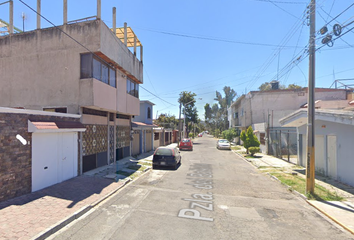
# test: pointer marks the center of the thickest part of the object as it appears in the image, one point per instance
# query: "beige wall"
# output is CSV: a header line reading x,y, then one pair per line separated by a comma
x,y
126,103
280,103
92,119
120,54
41,69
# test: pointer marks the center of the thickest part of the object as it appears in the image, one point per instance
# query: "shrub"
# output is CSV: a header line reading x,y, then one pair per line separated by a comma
x,y
249,139
191,135
254,150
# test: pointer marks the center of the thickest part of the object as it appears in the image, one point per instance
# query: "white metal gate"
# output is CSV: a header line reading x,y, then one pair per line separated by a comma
x,y
54,158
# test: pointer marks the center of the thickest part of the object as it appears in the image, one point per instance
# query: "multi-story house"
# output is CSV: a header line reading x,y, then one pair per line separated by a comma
x,y
80,67
143,127
263,109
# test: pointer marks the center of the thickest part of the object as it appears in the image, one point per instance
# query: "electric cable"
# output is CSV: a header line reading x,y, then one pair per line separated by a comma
x,y
63,32
210,38
85,46
157,96
340,13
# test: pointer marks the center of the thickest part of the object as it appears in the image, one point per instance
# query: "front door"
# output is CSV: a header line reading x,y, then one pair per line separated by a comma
x,y
332,156
69,156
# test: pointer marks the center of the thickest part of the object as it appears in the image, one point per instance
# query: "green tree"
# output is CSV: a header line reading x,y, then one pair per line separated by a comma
x,y
293,86
249,138
268,86
265,86
166,121
189,109
216,115
229,134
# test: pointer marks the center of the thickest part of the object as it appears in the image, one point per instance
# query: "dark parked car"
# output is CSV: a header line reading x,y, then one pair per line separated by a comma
x,y
166,157
186,144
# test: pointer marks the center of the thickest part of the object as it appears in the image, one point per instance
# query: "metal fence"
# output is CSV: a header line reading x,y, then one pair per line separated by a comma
x,y
283,144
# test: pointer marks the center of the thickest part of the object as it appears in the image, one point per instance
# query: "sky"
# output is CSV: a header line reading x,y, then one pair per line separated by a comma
x,y
202,46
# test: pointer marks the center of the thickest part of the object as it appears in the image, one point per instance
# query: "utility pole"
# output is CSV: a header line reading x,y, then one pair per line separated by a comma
x,y
310,164
179,125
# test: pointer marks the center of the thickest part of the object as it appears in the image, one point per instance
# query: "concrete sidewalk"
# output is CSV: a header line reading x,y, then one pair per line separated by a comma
x,y
340,212
39,214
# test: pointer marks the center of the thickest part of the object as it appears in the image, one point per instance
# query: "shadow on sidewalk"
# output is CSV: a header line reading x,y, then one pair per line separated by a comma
x,y
74,190
338,206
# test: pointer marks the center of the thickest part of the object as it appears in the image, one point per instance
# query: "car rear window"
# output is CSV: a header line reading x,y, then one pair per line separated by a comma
x,y
164,152
224,141
186,140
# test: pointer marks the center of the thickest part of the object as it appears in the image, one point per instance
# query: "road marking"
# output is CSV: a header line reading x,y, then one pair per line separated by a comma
x,y
200,177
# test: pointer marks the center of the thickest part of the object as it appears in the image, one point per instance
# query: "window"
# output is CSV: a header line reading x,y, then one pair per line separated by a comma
x,y
149,113
93,67
164,152
132,88
58,110
156,136
96,69
128,86
112,77
105,73
86,66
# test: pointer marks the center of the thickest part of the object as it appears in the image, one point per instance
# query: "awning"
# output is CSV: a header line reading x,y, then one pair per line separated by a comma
x,y
56,126
130,36
142,125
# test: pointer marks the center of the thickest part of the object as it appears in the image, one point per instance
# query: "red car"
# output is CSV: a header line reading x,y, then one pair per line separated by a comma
x,y
186,144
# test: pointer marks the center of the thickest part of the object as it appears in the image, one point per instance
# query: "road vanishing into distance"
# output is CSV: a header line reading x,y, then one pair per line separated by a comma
x,y
214,194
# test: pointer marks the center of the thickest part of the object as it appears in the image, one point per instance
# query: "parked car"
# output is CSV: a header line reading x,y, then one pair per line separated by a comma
x,y
166,157
186,143
223,144
200,135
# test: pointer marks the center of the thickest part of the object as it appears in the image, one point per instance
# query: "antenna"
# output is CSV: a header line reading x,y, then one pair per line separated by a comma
x,y
24,17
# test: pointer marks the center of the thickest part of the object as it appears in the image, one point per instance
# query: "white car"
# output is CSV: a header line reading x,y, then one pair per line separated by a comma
x,y
223,144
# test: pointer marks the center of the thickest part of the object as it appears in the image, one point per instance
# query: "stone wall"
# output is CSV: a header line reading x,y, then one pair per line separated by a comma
x,y
16,158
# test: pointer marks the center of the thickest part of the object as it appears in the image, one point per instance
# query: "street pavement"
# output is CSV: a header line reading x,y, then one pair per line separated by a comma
x,y
341,212
40,214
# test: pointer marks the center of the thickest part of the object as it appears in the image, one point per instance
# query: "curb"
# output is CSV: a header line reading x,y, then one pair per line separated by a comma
x,y
61,224
332,218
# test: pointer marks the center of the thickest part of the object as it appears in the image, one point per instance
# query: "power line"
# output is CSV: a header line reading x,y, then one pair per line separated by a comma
x,y
82,44
62,31
273,2
283,2
277,51
339,13
157,96
212,38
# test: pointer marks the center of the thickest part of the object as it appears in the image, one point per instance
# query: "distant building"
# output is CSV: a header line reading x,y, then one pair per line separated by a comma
x,y
143,137
263,109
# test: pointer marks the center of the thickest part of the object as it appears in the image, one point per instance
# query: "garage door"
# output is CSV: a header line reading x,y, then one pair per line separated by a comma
x,y
54,158
148,141
136,144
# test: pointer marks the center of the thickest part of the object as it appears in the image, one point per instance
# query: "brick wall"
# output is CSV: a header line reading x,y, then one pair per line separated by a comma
x,y
16,158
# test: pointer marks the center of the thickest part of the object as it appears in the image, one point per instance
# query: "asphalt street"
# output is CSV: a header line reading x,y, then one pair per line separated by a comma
x,y
213,194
